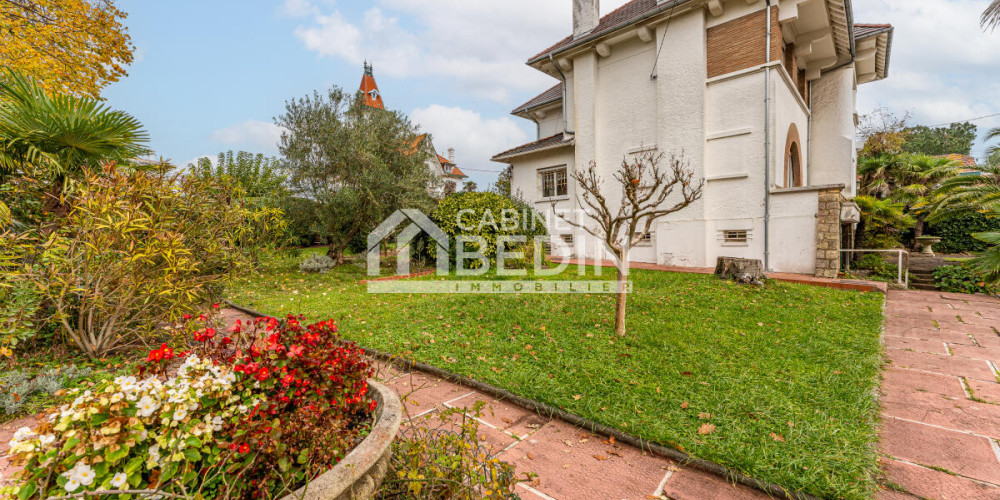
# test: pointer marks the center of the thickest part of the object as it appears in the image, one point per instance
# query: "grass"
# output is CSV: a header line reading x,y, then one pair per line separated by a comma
x,y
787,373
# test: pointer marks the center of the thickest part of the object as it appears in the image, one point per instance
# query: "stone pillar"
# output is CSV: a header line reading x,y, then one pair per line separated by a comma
x,y
828,233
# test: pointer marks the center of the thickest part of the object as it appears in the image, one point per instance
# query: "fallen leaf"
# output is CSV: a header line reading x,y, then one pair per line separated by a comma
x,y
577,397
600,457
611,440
706,428
704,416
530,456
777,437
684,405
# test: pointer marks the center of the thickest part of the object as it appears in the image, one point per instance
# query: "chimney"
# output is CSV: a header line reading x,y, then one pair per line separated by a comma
x,y
586,15
451,155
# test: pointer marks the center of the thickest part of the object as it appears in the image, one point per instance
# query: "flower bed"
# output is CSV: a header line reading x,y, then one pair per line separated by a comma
x,y
254,413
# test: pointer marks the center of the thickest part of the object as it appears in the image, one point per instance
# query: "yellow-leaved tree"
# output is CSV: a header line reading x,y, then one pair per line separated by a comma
x,y
70,46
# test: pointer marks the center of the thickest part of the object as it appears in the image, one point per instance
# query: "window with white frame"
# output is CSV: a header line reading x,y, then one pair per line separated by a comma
x,y
646,240
553,182
567,238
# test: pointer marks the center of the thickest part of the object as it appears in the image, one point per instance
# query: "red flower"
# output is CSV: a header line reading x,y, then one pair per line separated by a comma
x,y
372,405
244,448
295,351
215,306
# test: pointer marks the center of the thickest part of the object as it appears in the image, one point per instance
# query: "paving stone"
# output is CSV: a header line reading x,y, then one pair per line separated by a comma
x,y
961,453
932,346
573,464
928,483
985,390
948,365
420,392
903,382
693,484
887,494
989,339
976,352
958,414
385,372
930,334
502,415
493,441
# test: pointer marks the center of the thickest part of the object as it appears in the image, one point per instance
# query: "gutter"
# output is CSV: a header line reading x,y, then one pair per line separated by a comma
x,y
767,143
562,76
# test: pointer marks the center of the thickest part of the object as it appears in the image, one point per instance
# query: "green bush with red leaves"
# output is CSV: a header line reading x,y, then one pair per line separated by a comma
x,y
254,412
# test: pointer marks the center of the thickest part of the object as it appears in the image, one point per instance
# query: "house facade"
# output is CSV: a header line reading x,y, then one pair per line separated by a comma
x,y
759,97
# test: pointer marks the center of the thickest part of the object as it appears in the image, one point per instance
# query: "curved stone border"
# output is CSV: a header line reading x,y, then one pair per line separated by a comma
x,y
683,458
361,472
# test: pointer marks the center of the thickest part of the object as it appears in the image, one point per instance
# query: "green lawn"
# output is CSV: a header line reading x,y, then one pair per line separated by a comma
x,y
788,373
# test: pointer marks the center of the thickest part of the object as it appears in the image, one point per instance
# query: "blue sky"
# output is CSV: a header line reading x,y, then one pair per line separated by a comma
x,y
210,76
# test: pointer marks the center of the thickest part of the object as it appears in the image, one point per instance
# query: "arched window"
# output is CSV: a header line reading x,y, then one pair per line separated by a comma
x,y
793,159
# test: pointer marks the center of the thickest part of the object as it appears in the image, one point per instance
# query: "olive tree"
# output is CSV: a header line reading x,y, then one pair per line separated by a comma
x,y
357,163
647,192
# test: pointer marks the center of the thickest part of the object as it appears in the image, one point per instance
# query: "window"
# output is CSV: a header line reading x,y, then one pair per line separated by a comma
x,y
793,159
553,182
646,240
567,238
735,237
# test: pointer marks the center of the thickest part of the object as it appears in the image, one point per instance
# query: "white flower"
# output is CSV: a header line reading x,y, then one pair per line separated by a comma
x,y
143,434
22,434
116,397
180,414
242,409
47,439
147,406
217,424
72,485
119,480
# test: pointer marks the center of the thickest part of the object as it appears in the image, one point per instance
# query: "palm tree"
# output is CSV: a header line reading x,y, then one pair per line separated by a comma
x,y
991,16
905,179
60,135
967,194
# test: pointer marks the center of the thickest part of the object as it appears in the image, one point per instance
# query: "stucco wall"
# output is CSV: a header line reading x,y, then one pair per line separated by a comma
x,y
793,231
551,124
834,156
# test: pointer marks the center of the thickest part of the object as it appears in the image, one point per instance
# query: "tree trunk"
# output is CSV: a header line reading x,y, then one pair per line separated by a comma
x,y
336,252
746,271
620,302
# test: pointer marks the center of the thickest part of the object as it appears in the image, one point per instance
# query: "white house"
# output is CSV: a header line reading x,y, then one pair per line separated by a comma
x,y
762,106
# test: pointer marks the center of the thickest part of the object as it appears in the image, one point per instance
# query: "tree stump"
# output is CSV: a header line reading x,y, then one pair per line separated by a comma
x,y
744,271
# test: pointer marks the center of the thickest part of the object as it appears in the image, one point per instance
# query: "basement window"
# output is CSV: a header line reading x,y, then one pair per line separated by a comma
x,y
735,237
646,241
567,238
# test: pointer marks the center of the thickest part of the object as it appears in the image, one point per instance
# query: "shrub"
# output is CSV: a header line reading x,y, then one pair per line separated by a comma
x,y
17,386
956,232
318,263
488,216
961,279
446,461
139,248
877,267
256,414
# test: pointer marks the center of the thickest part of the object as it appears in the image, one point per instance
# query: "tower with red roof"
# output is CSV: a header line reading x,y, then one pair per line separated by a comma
x,y
369,88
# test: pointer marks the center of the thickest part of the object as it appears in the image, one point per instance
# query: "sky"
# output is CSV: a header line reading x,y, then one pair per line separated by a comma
x,y
211,76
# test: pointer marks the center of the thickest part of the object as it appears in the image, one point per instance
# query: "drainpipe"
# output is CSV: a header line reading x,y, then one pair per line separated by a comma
x,y
565,98
767,143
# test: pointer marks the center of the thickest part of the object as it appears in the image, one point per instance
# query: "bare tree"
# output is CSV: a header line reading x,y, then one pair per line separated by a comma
x,y
646,191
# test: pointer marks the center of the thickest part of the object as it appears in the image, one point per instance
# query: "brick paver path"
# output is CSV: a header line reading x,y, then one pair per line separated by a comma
x,y
940,397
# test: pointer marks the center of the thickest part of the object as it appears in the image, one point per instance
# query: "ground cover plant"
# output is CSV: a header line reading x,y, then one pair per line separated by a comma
x,y
776,382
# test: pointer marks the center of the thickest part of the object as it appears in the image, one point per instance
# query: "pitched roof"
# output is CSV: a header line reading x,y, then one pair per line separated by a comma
x,y
443,160
867,30
964,160
372,96
455,172
551,95
550,142
622,16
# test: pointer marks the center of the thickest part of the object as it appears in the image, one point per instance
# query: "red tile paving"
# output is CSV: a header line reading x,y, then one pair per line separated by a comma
x,y
940,416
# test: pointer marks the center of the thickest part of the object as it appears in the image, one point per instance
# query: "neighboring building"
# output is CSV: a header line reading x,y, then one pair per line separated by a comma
x,y
766,116
968,164
443,168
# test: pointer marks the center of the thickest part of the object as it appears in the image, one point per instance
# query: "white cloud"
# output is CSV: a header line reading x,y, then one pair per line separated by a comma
x,y
259,136
475,138
479,47
943,65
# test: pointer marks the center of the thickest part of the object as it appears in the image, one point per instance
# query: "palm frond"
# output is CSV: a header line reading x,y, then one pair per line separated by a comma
x,y
991,16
